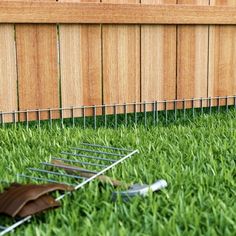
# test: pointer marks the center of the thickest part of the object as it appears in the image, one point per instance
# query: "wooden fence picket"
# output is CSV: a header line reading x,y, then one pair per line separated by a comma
x,y
37,64
121,62
222,58
158,61
8,74
80,65
192,63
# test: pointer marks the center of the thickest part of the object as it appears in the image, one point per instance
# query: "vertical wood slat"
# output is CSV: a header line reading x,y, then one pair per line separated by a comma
x,y
8,73
222,59
192,63
37,63
121,62
158,60
80,60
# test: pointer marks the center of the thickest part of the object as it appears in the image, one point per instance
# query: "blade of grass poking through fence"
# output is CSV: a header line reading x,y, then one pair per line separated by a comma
x,y
192,53
37,64
158,60
80,62
222,57
121,63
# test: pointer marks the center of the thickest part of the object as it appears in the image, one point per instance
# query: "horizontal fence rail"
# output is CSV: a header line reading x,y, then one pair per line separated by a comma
x,y
104,13
145,113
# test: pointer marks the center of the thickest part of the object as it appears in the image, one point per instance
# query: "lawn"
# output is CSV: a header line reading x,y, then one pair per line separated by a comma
x,y
197,158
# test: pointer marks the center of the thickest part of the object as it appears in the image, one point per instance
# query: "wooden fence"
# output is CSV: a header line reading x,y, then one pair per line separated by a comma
x,y
88,52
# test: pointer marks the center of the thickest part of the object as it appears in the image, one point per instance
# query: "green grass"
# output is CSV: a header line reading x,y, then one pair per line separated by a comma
x,y
196,158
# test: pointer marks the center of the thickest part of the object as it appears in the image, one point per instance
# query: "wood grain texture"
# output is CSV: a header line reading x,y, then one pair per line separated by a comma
x,y
55,12
80,60
121,63
37,64
8,74
192,65
222,60
158,60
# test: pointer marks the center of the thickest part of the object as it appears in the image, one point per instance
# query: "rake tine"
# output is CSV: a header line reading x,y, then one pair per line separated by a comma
x,y
98,152
69,167
77,161
43,179
55,173
88,157
106,147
